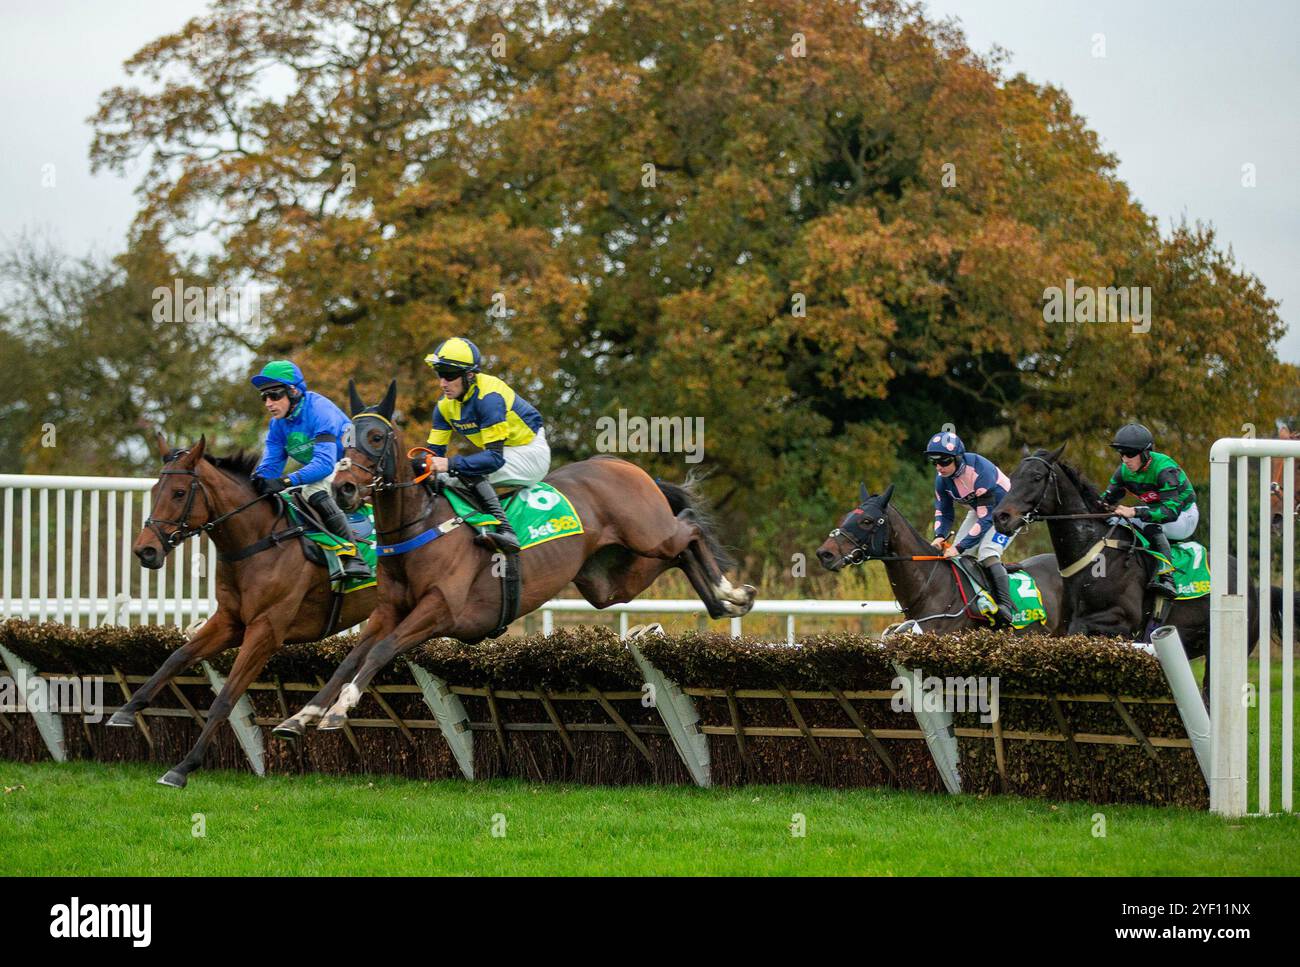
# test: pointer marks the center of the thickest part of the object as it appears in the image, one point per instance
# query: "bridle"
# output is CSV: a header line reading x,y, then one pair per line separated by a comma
x,y
874,548
182,529
383,467
1033,514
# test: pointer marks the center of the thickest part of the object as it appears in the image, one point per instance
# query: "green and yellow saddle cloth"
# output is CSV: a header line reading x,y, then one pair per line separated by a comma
x,y
362,523
1026,600
538,514
1191,566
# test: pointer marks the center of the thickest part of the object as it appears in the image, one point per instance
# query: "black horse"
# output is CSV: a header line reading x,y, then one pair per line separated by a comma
x,y
1110,596
926,590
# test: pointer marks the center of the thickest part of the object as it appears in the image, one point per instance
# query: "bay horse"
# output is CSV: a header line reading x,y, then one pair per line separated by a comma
x,y
634,529
926,590
1275,491
1105,585
268,592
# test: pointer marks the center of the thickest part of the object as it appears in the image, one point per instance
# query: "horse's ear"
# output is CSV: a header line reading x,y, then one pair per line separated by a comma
x,y
196,451
353,398
1024,450
161,441
389,401
1055,455
884,498
863,493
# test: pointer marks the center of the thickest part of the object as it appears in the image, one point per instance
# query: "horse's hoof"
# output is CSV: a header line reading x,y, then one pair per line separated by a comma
x,y
174,779
289,730
123,718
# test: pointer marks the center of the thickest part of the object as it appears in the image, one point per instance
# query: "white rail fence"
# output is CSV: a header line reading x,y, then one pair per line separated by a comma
x,y
67,557
1232,695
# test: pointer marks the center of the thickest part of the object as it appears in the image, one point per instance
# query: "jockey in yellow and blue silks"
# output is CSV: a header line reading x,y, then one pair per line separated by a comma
x,y
970,479
309,428
492,416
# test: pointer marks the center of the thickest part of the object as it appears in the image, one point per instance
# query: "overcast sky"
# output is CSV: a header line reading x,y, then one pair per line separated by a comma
x,y
1186,94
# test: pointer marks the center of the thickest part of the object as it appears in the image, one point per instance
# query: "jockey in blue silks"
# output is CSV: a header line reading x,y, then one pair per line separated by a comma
x,y
309,428
970,479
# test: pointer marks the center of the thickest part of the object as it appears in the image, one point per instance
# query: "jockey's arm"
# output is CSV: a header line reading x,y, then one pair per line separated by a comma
x,y
490,460
321,465
273,454
1176,495
942,512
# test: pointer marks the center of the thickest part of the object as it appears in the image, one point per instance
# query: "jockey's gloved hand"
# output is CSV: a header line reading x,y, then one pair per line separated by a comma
x,y
271,485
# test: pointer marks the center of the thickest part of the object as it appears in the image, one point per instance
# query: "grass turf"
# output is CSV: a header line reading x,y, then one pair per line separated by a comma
x,y
95,819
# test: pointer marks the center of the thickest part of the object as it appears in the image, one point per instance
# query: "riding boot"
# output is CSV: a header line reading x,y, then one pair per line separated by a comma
x,y
1001,592
505,539
336,522
1162,581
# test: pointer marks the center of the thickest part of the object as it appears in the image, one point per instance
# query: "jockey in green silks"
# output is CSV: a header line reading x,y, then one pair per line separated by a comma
x,y
309,428
1168,509
492,416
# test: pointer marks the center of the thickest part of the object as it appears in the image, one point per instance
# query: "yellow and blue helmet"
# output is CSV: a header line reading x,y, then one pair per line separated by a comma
x,y
455,357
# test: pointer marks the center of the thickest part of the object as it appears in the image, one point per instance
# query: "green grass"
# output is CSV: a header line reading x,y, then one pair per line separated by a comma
x,y
95,819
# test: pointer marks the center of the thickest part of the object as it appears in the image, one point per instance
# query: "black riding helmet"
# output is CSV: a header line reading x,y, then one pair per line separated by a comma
x,y
1134,438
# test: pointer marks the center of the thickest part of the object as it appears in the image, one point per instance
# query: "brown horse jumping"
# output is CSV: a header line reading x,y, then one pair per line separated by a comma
x,y
267,591
634,530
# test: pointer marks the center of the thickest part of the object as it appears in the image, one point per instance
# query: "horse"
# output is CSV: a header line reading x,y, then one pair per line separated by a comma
x,y
634,529
1275,491
268,592
925,588
1105,577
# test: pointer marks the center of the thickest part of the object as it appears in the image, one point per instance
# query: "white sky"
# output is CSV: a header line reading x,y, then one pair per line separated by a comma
x,y
1187,93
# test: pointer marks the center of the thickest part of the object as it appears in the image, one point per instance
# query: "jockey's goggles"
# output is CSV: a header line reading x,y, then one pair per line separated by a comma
x,y
449,372
943,461
1128,452
275,393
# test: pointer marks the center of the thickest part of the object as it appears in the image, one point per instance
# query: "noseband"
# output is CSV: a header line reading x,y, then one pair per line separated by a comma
x,y
876,546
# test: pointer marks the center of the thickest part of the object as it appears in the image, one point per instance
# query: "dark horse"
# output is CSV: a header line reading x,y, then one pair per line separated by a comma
x,y
1110,598
268,595
634,530
927,591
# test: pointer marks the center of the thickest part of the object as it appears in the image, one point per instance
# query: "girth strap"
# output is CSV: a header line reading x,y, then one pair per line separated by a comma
x,y
266,543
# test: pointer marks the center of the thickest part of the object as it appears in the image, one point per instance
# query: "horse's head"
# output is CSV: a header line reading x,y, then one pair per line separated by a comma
x,y
180,504
1033,490
371,458
863,534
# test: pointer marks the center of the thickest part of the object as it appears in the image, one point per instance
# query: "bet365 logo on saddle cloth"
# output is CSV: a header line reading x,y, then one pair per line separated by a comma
x,y
538,514
1026,600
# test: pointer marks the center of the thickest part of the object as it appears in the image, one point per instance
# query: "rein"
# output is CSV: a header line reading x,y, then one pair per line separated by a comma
x,y
183,530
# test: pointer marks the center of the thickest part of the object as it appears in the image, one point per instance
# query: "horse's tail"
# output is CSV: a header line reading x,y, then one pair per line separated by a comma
x,y
686,496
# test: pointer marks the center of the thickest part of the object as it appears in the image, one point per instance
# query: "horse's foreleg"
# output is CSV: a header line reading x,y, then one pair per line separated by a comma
x,y
379,625
418,626
218,633
259,644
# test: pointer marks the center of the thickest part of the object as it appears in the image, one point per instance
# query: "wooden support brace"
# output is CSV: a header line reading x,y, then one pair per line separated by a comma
x,y
881,752
803,726
496,724
242,721
8,726
555,719
388,710
139,718
1133,727
734,708
186,702
999,746
618,720
1059,714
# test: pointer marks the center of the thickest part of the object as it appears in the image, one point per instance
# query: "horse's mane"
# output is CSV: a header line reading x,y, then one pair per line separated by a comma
x,y
1091,496
241,463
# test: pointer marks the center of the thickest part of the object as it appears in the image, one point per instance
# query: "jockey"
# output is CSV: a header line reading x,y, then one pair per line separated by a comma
x,y
490,415
970,479
309,428
1168,509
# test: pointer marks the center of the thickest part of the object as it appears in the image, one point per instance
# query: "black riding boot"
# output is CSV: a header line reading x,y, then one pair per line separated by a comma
x,y
505,539
1001,591
1162,581
336,522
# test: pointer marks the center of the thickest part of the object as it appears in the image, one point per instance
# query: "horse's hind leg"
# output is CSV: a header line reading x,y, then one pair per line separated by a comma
x,y
687,548
610,578
218,633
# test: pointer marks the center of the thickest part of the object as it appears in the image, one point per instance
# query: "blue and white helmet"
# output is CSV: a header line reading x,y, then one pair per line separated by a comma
x,y
946,444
